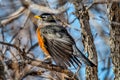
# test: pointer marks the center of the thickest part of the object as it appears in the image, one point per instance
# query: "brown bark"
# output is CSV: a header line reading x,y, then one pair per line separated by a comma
x,y
2,73
87,40
115,39
89,47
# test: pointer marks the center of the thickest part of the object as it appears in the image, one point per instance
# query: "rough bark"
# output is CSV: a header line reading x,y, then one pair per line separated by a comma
x,y
89,47
87,40
2,73
115,39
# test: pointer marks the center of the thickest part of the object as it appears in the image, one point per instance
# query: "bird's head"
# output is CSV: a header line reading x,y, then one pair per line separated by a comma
x,y
45,17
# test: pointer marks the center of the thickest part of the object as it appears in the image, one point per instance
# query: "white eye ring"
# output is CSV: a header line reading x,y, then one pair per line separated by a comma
x,y
44,16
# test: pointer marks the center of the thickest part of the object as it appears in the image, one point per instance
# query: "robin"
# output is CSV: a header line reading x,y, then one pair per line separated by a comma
x,y
56,43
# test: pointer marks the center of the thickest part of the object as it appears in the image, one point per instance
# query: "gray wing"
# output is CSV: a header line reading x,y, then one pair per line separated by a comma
x,y
60,46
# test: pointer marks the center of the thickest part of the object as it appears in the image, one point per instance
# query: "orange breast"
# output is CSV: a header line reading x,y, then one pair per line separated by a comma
x,y
41,42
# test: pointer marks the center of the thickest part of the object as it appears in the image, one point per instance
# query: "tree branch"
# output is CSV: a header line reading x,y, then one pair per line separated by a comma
x,y
39,63
11,45
13,16
51,67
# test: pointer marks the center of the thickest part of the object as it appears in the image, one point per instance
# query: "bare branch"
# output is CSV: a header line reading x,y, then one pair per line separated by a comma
x,y
13,16
101,2
32,47
11,45
51,67
32,6
115,23
39,63
47,9
105,1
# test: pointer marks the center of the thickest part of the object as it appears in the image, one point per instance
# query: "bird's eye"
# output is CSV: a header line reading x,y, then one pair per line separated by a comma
x,y
44,16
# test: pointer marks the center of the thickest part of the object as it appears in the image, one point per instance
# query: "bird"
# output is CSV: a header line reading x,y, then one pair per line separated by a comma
x,y
58,44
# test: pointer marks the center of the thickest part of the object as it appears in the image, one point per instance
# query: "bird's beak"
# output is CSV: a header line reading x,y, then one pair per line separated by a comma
x,y
39,21
37,17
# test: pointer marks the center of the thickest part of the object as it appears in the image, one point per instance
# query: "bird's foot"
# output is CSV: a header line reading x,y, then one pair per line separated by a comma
x,y
47,59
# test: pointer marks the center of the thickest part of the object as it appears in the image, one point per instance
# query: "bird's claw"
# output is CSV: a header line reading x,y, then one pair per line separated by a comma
x,y
47,59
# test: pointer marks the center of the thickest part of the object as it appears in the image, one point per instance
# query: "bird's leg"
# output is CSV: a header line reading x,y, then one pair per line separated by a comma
x,y
47,59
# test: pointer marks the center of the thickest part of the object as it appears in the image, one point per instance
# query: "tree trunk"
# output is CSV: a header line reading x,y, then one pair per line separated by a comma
x,y
115,39
87,40
89,47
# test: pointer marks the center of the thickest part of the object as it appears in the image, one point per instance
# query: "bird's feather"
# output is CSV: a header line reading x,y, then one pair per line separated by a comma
x,y
60,46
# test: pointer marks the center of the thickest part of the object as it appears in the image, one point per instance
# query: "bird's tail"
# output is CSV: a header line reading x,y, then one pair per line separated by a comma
x,y
84,58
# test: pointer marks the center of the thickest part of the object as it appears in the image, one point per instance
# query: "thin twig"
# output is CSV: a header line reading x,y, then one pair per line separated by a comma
x,y
13,16
11,45
32,47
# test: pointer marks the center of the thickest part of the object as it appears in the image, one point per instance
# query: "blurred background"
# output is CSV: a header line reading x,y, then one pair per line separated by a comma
x,y
21,32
